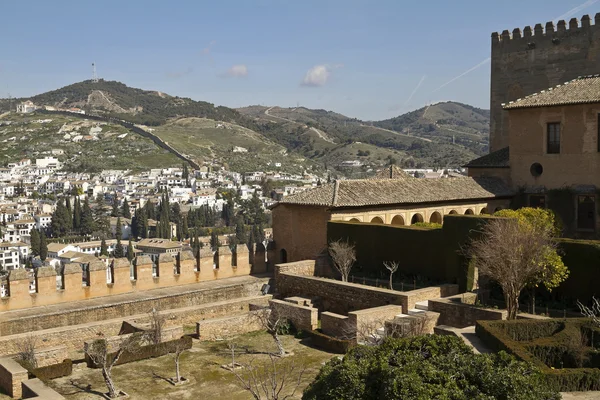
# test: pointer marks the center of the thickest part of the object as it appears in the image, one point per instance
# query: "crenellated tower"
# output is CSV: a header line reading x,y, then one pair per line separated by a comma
x,y
528,61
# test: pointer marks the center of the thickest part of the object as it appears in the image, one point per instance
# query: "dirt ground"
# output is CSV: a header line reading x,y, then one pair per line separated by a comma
x,y
201,365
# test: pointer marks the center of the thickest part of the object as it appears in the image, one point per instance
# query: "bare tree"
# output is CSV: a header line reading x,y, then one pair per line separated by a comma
x,y
100,353
26,351
272,321
277,379
514,255
179,349
157,322
374,331
391,266
343,255
591,312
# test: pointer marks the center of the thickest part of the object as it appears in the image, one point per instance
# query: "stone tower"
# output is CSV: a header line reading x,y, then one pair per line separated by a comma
x,y
533,60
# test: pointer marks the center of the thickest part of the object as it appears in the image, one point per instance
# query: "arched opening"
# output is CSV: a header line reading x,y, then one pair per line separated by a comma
x,y
377,220
469,212
282,256
398,220
416,218
453,212
498,209
484,210
436,218
354,220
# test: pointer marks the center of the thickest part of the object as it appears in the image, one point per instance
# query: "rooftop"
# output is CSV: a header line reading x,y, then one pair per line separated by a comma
x,y
391,172
377,192
496,159
583,90
158,243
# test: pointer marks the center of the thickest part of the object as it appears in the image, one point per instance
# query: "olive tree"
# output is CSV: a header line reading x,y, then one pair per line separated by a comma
x,y
276,379
391,266
519,251
343,256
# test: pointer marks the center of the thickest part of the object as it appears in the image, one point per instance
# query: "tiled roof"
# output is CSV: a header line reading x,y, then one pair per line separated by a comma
x,y
582,90
391,172
496,159
377,192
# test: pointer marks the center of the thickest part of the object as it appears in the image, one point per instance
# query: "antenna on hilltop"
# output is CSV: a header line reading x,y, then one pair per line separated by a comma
x,y
94,75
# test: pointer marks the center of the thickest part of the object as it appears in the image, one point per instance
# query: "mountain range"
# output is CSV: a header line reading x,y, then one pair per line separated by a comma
x,y
446,134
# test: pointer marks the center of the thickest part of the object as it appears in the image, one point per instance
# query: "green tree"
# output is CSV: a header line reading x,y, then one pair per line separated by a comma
x,y
427,367
103,248
114,212
119,252
240,231
214,240
77,214
43,247
61,221
125,212
518,251
130,250
35,242
87,224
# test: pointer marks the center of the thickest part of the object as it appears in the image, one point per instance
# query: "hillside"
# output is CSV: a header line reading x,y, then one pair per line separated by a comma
x,y
441,135
86,146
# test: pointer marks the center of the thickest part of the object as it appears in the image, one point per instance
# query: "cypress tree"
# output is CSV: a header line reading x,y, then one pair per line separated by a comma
x,y
130,250
35,242
43,247
87,219
115,208
103,248
214,240
77,214
125,212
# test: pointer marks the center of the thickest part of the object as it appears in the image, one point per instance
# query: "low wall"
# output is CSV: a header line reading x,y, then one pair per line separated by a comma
x,y
11,376
303,318
36,389
421,323
453,312
177,271
334,325
344,297
50,355
227,327
366,322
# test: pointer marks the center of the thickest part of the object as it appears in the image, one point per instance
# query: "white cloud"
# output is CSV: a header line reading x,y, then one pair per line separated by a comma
x,y
317,76
236,71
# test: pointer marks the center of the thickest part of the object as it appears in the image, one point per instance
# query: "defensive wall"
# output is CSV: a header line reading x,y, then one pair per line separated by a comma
x,y
97,279
528,61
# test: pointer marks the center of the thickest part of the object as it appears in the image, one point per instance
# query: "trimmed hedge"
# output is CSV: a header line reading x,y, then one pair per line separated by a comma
x,y
329,343
545,344
582,257
149,351
53,371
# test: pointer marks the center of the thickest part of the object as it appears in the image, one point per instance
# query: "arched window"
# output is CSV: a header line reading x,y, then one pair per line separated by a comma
x,y
354,220
469,212
436,218
453,212
377,220
398,220
484,210
416,218
283,256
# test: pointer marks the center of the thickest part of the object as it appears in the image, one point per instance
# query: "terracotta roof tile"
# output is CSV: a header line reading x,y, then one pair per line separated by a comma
x,y
582,90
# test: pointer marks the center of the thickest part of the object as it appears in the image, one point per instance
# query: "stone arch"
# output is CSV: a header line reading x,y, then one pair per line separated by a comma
x,y
484,210
469,211
354,220
282,256
416,218
377,220
453,212
435,218
398,220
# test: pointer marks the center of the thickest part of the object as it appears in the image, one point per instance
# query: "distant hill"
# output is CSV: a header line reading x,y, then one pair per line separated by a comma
x,y
441,135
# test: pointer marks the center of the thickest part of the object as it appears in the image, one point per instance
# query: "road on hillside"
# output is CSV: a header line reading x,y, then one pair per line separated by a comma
x,y
321,134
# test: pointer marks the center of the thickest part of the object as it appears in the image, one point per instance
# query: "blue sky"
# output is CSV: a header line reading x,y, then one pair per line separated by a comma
x,y
361,58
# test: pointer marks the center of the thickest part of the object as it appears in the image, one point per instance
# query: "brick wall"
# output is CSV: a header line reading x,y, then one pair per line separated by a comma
x,y
302,317
454,312
335,325
11,376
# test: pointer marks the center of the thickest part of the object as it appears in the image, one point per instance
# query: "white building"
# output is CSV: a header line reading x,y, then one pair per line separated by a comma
x,y
26,107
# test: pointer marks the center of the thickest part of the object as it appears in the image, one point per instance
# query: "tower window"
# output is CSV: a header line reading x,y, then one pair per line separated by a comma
x,y
553,142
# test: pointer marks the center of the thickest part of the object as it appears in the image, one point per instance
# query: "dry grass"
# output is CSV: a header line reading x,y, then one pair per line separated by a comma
x,y
201,365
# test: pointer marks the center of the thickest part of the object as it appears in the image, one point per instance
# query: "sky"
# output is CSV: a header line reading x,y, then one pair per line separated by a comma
x,y
369,59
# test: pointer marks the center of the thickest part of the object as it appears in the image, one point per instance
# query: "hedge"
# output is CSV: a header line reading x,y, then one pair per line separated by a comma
x,y
582,257
53,371
329,343
149,351
544,342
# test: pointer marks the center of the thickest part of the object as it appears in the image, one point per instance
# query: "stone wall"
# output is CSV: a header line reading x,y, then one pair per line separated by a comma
x,y
50,355
528,61
344,297
453,312
366,322
171,272
302,317
227,327
11,376
35,389
335,325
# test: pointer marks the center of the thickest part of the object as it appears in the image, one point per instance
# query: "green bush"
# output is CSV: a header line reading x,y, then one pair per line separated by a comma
x,y
553,348
53,371
427,367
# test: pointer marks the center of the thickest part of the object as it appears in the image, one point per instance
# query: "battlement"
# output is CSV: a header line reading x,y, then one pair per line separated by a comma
x,y
548,33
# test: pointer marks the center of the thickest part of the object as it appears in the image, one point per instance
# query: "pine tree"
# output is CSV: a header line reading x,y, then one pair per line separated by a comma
x,y
125,212
43,247
87,224
130,250
35,242
103,248
115,208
